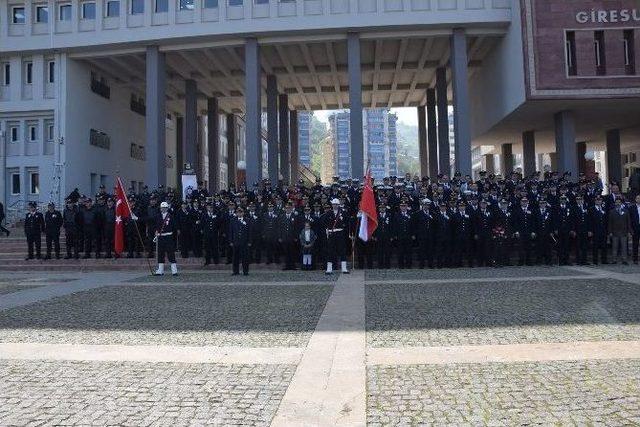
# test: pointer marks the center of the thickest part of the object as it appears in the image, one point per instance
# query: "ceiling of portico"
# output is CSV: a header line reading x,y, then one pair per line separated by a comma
x,y
395,71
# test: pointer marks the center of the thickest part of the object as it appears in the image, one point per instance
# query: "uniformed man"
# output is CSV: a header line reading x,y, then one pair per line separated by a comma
x,y
503,233
288,238
403,232
151,217
383,236
132,226
255,218
196,227
545,228
463,233
565,230
599,224
71,222
89,222
52,226
337,224
443,236
584,234
240,241
271,232
483,229
525,231
33,227
109,222
185,229
424,233
210,223
164,230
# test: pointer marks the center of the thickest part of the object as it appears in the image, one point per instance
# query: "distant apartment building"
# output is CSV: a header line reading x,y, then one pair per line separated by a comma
x,y
304,137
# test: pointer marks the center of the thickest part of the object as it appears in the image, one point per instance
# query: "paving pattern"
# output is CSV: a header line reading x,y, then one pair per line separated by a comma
x,y
253,277
552,393
502,312
254,316
125,393
620,268
7,288
468,273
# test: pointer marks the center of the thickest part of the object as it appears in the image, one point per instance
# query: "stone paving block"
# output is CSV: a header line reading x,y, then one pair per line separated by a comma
x,y
252,315
260,276
103,393
604,392
469,273
443,314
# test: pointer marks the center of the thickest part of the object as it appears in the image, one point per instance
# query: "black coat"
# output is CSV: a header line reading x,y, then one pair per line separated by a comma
x,y
53,222
240,233
33,223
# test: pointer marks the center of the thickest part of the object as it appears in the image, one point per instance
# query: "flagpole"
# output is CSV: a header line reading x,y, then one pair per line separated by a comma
x,y
135,222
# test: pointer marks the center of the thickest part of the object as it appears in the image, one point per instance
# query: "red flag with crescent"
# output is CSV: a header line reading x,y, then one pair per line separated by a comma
x,y
123,211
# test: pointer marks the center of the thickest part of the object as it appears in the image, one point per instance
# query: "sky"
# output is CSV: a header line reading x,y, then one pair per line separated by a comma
x,y
406,115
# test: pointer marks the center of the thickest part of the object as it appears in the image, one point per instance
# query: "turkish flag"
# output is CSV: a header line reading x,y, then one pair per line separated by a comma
x,y
122,211
368,211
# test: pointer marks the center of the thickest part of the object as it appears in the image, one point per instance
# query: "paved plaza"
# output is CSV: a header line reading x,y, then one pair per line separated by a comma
x,y
511,346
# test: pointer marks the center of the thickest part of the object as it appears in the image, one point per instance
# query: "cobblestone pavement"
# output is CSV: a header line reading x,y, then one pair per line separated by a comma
x,y
468,273
262,276
253,316
126,393
502,312
620,268
6,288
499,394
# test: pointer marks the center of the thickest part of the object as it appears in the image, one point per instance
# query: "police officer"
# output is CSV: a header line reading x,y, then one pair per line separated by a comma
x,y
599,223
185,239
483,228
403,232
443,235
71,222
132,226
337,224
584,234
289,233
109,224
383,236
424,233
463,233
565,230
255,218
544,231
240,241
525,231
164,229
150,219
210,223
33,226
89,221
270,224
52,226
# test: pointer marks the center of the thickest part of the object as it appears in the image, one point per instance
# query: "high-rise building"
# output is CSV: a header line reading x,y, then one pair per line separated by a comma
x,y
340,134
304,137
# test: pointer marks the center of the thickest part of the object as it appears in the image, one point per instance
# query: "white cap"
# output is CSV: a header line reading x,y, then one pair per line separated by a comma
x,y
164,205
335,202
425,201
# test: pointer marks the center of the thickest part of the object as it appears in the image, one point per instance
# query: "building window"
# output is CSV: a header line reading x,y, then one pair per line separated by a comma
x,y
28,72
137,105
210,4
113,8
33,133
15,184
598,46
42,14
100,86
17,15
34,183
137,7
6,77
51,71
261,1
14,133
235,2
88,10
186,5
162,6
570,53
629,52
64,12
50,132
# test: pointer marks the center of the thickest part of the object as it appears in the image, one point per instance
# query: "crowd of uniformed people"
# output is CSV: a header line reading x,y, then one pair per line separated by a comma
x,y
548,219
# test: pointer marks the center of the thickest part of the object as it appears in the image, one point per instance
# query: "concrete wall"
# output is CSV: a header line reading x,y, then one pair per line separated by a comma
x,y
498,87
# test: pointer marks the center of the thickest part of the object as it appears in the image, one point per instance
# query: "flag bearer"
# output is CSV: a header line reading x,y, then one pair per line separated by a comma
x,y
165,232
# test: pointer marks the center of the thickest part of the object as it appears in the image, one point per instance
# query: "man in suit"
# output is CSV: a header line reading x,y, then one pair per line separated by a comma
x,y
33,227
634,216
240,241
52,225
165,228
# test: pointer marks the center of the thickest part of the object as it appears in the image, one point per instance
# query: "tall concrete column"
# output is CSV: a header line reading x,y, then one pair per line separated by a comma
x,y
285,154
529,152
507,160
213,144
156,171
432,133
295,154
614,156
232,147
553,158
566,143
461,107
355,105
422,141
581,151
444,157
179,149
191,122
253,109
272,128
489,163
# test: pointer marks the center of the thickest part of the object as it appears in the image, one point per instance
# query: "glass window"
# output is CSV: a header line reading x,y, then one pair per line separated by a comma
x,y
14,134
50,132
88,10
42,14
137,7
64,12
33,133
34,181
15,183
6,78
261,1
210,4
113,8
51,73
235,2
18,16
162,6
186,5
28,72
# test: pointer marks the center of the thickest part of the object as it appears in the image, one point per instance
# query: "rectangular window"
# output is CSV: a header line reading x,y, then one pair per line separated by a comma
x,y
162,6
137,7
6,70
629,52
210,4
42,14
50,132
34,183
88,10
598,46
51,71
14,133
113,8
28,72
17,15
570,53
64,12
261,1
186,5
15,184
33,133
235,2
